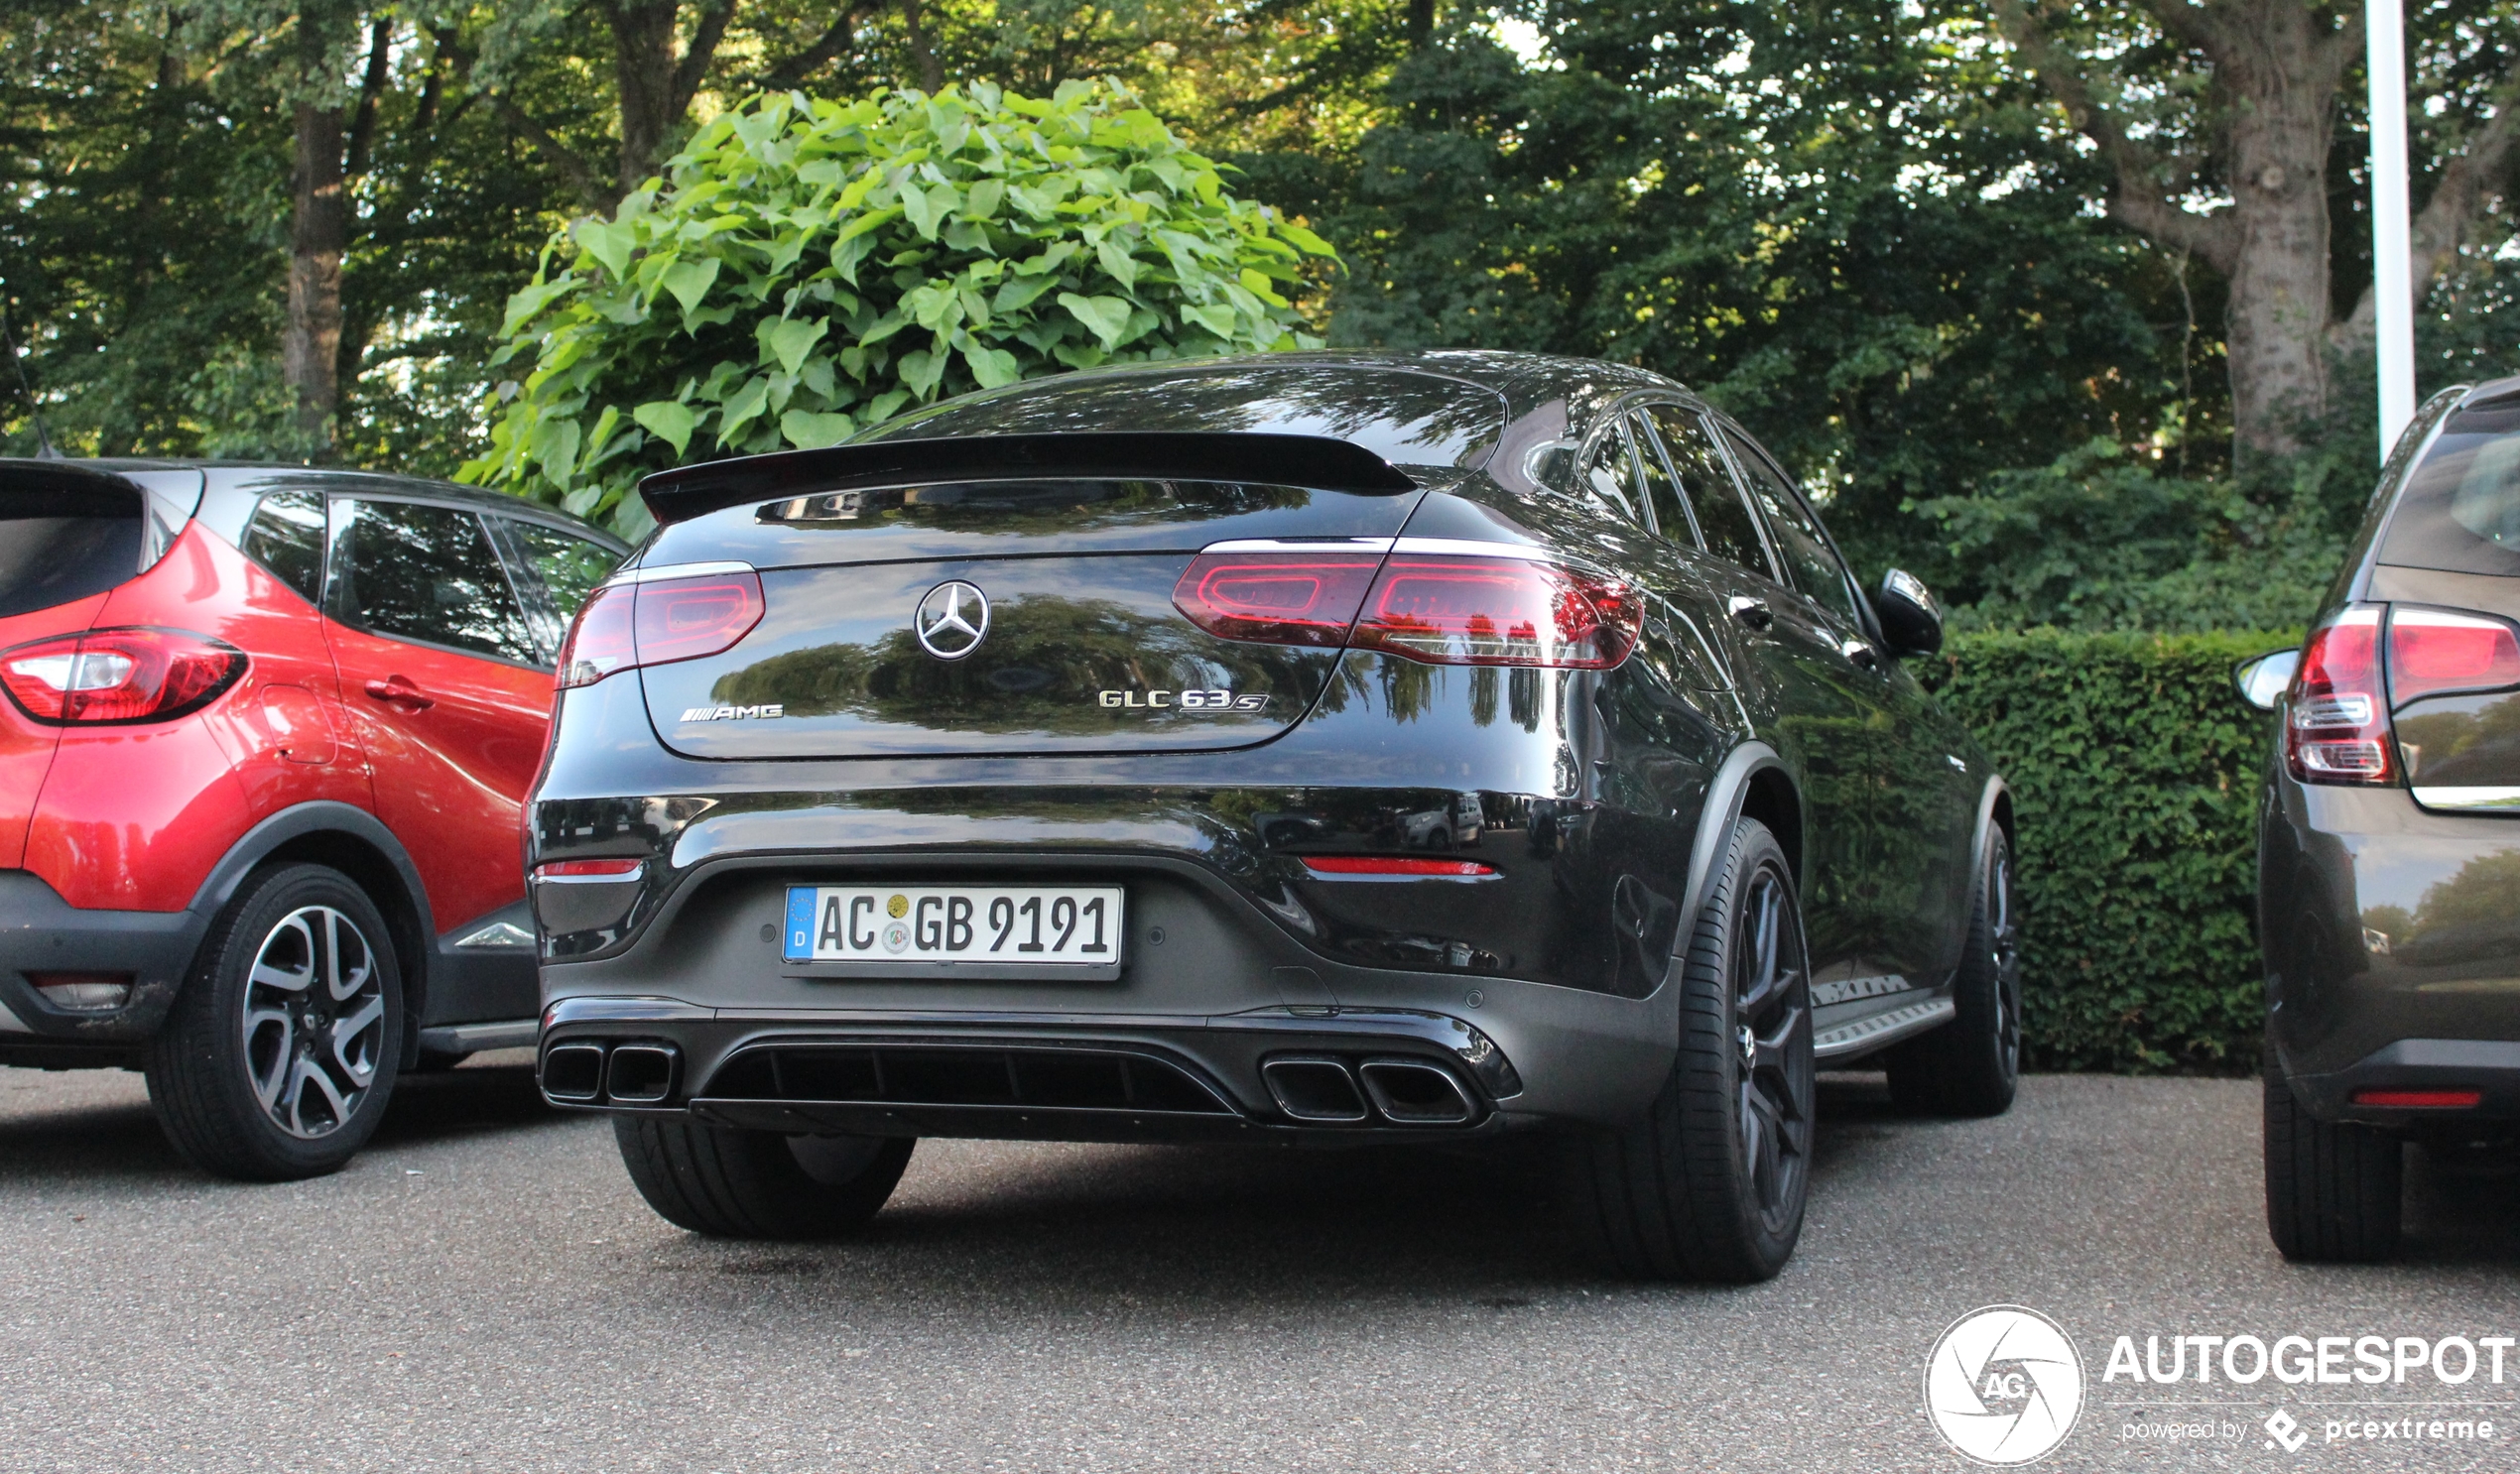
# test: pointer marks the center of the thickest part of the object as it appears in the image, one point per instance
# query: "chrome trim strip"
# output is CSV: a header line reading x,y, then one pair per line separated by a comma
x,y
1299,544
2497,798
1882,1027
1465,548
614,1009
677,570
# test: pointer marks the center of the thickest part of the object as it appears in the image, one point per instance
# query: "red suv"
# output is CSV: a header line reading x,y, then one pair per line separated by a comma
x,y
264,738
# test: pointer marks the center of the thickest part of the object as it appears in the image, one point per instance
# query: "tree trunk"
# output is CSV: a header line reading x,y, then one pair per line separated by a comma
x,y
643,72
318,231
923,48
2277,330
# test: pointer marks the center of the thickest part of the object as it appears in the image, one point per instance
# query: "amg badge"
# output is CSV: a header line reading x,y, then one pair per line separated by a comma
x,y
1190,701
733,713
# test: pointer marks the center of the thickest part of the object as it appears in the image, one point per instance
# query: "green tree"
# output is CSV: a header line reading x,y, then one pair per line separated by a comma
x,y
808,268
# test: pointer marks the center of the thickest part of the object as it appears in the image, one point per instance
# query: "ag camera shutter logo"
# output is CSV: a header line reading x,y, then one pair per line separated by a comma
x,y
2003,1385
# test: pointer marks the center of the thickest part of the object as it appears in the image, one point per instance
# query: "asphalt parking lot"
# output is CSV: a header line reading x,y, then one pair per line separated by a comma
x,y
482,1289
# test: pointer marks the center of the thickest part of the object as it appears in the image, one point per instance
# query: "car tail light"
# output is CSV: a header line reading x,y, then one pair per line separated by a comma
x,y
2419,1100
1276,598
1499,611
599,641
119,677
1393,865
2434,650
2337,729
656,623
682,619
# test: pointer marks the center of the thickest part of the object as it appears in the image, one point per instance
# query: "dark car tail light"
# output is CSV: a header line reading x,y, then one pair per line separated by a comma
x,y
659,622
599,640
2337,729
623,869
2435,650
119,677
1276,598
1499,611
2419,1100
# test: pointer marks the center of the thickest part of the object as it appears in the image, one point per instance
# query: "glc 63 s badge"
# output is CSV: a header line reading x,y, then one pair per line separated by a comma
x,y
1210,700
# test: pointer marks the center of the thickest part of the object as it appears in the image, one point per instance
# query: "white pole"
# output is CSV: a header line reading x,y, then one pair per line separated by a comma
x,y
2393,290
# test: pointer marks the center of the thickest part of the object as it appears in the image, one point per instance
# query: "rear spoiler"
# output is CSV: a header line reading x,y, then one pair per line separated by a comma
x,y
1313,461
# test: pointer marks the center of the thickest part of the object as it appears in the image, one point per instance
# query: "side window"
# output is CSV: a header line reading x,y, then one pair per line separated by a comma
x,y
428,573
1724,523
564,568
1798,539
286,535
1609,473
1662,490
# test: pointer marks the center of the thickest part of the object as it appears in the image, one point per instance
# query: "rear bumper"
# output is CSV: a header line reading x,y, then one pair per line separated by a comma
x,y
2385,927
2490,1068
40,932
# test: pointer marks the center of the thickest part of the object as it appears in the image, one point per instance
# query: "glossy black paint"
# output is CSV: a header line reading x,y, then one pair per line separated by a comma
x,y
1589,793
2391,932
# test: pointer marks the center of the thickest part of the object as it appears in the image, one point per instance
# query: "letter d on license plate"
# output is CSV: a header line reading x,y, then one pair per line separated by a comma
x,y
1076,925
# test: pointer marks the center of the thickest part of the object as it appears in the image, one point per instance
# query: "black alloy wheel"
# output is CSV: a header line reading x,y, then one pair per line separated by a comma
x,y
283,1048
1713,1183
1971,1066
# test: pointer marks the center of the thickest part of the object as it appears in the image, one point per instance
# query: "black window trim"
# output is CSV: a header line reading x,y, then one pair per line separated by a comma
x,y
331,606
1713,423
1865,623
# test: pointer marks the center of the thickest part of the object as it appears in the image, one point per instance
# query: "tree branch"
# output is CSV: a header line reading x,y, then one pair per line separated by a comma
x,y
591,186
838,38
692,70
2461,196
371,86
2193,24
2139,200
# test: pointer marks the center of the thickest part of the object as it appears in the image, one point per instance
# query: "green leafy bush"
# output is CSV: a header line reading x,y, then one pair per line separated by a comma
x,y
808,268
2134,769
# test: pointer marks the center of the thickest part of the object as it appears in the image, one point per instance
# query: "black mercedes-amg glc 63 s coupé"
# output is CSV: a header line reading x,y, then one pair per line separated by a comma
x,y
1324,749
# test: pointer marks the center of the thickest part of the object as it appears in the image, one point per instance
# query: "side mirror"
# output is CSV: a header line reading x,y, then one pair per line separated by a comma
x,y
1910,620
2263,679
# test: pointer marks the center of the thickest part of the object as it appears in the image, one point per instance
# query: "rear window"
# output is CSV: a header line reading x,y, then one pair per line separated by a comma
x,y
60,544
2460,510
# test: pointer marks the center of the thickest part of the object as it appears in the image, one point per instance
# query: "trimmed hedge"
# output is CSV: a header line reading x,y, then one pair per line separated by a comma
x,y
2134,769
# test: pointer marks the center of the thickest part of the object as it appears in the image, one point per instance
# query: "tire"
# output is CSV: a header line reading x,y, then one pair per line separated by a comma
x,y
758,1184
1711,1184
2333,1189
282,1051
1971,1066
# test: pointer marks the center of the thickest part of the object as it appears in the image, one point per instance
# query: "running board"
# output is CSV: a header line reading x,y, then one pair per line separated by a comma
x,y
472,1039
1876,1030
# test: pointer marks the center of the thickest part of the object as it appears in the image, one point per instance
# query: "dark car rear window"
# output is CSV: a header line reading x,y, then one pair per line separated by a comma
x,y
65,544
2460,510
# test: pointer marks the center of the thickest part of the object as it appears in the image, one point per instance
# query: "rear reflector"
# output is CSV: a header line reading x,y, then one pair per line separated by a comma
x,y
2419,1100
587,870
2337,730
1276,598
117,676
1499,611
1391,865
2435,650
84,992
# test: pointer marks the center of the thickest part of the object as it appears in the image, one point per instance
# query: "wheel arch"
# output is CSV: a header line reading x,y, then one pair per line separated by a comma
x,y
1753,783
1995,811
355,842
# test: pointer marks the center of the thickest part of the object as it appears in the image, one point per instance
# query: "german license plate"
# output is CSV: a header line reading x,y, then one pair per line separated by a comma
x,y
1076,925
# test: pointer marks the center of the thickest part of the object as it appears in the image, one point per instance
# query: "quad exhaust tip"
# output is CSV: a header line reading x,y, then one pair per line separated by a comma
x,y
574,1072
1413,1092
585,1071
640,1074
1317,1090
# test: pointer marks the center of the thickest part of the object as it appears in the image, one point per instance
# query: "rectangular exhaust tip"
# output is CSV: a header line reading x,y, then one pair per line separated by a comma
x,y
1413,1092
1314,1090
574,1072
640,1074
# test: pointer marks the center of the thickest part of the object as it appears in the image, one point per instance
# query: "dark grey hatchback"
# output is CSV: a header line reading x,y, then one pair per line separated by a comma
x,y
2389,839
1319,749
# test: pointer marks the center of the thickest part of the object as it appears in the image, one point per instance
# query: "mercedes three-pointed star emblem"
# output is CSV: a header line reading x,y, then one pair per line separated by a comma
x,y
952,620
